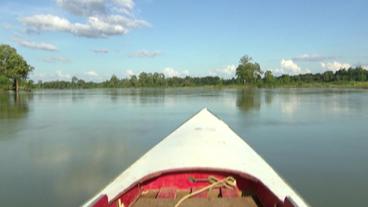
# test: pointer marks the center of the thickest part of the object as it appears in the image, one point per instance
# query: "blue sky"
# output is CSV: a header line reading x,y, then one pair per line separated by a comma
x,y
94,39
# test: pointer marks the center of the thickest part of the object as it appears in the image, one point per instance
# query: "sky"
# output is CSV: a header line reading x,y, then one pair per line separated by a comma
x,y
93,39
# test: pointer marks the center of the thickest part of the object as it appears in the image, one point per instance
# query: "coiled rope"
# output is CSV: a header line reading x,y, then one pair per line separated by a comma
x,y
228,182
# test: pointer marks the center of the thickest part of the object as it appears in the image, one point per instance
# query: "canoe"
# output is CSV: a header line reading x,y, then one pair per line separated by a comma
x,y
201,163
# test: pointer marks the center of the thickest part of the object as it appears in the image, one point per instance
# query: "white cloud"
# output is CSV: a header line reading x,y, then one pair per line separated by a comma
x,y
56,75
312,58
56,59
291,68
145,53
185,72
335,66
125,3
170,72
60,75
96,7
46,22
101,51
129,73
365,67
36,45
104,18
96,27
226,72
37,76
288,66
83,7
92,73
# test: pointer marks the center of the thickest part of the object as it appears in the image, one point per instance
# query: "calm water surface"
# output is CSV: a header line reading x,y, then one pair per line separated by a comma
x,y
58,148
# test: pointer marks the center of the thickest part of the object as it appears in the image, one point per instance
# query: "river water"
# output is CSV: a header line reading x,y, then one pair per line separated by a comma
x,y
60,147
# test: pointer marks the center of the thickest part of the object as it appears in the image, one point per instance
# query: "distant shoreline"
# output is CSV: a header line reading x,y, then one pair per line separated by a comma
x,y
333,85
248,75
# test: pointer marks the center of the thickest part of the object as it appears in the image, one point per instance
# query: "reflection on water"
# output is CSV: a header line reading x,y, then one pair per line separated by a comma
x,y
14,105
290,105
14,109
79,178
59,147
248,100
268,96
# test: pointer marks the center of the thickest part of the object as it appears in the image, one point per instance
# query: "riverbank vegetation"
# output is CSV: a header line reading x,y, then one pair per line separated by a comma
x,y
14,71
349,78
248,74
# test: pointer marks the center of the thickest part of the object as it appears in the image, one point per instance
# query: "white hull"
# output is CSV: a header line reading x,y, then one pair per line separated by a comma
x,y
204,141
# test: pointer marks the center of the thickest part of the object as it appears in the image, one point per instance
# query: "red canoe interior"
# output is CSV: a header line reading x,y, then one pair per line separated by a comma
x,y
166,188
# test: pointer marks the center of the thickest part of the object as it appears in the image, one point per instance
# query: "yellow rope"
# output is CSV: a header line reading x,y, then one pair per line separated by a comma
x,y
120,204
228,182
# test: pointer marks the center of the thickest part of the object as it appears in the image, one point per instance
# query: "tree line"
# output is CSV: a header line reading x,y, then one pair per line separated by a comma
x,y
14,71
248,73
142,80
357,74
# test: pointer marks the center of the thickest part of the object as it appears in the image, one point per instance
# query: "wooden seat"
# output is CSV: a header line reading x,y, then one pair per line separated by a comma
x,y
198,202
213,193
230,193
167,193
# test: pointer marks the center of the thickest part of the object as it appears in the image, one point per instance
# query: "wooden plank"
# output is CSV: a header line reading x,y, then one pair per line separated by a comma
x,y
182,193
230,192
250,201
167,193
195,202
199,195
149,194
213,193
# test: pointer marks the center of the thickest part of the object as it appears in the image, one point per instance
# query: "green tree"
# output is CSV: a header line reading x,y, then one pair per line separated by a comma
x,y
361,74
80,83
158,79
248,71
13,65
285,79
144,79
268,77
74,80
4,82
328,76
133,81
114,81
